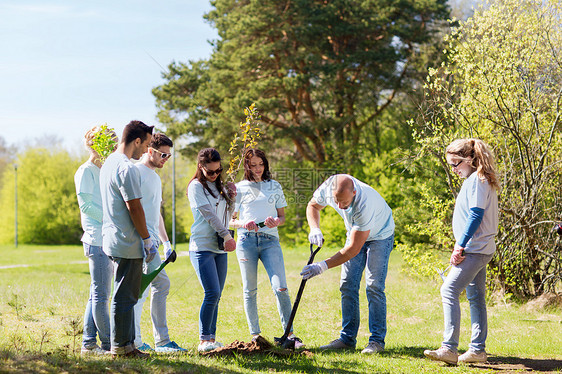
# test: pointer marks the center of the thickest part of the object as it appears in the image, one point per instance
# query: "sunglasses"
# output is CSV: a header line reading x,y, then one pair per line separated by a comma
x,y
210,173
457,164
162,154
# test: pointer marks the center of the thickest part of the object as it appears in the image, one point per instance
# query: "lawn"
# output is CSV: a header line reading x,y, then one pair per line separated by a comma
x,y
42,303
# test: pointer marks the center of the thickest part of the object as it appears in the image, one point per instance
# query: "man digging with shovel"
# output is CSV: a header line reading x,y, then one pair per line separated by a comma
x,y
370,238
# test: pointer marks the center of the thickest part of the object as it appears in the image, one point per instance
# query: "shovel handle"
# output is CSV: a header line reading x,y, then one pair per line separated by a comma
x,y
298,298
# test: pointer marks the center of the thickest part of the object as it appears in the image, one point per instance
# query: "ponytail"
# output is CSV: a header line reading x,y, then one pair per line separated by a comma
x,y
480,157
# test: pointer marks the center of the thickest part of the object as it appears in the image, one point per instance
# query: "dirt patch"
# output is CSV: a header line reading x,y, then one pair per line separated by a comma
x,y
520,365
257,346
547,300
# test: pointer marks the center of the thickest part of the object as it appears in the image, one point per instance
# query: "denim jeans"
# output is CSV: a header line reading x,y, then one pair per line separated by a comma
x,y
211,270
251,248
160,288
96,316
126,288
470,274
374,255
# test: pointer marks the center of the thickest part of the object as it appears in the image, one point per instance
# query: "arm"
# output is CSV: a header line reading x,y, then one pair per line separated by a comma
x,y
137,216
162,234
313,214
89,207
356,242
209,215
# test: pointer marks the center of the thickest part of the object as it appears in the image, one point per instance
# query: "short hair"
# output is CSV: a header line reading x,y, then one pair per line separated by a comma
x,y
158,140
135,129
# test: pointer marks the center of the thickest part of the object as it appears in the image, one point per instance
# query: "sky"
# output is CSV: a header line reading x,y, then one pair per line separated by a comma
x,y
66,66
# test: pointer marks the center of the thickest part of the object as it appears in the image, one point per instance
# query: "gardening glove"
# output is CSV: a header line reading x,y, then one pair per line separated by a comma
x,y
315,237
558,229
167,249
150,249
314,269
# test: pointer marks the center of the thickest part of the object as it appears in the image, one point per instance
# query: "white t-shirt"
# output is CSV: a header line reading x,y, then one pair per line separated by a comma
x,y
368,210
119,182
203,236
255,201
87,181
476,193
151,190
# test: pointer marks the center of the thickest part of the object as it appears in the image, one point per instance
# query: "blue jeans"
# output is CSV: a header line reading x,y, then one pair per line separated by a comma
x,y
470,275
211,270
251,248
96,316
126,289
374,256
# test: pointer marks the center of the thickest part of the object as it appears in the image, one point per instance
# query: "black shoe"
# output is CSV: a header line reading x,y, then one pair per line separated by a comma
x,y
134,354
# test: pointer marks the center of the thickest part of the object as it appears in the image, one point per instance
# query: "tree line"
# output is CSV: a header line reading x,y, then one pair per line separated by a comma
x,y
377,89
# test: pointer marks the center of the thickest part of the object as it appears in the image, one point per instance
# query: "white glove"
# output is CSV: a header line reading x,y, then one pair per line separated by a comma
x,y
315,237
314,269
150,249
167,249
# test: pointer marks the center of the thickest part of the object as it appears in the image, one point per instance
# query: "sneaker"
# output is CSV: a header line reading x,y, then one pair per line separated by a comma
x,y
133,354
95,350
442,354
145,348
373,347
336,344
206,346
471,356
218,344
170,348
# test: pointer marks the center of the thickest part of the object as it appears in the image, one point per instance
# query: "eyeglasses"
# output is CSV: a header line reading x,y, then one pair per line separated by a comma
x,y
457,164
162,154
210,173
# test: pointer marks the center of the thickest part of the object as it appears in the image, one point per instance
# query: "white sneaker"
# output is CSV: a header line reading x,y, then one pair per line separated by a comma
x,y
473,356
206,346
442,354
95,350
372,347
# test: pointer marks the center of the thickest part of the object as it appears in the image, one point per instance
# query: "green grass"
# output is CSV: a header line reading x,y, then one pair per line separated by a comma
x,y
41,308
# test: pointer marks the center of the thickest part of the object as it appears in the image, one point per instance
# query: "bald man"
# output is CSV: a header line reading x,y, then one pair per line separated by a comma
x,y
370,238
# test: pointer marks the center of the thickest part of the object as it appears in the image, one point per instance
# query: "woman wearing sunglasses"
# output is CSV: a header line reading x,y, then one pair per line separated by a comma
x,y
212,205
260,209
475,226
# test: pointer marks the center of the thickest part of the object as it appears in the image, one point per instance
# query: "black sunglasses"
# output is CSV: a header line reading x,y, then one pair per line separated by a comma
x,y
457,164
162,154
210,173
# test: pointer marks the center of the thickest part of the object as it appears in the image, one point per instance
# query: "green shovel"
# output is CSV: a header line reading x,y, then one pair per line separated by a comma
x,y
147,278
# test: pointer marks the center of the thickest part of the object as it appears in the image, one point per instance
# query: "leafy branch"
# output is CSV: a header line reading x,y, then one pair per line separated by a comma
x,y
104,142
244,140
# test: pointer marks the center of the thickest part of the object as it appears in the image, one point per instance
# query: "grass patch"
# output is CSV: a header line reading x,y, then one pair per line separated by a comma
x,y
42,304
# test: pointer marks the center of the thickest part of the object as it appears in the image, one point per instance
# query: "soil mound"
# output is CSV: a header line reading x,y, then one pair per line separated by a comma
x,y
546,300
260,345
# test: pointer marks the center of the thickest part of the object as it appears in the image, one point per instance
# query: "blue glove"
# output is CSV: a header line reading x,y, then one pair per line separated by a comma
x,y
167,249
314,269
150,249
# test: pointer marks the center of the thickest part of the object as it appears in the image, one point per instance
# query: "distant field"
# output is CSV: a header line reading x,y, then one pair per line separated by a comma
x,y
43,291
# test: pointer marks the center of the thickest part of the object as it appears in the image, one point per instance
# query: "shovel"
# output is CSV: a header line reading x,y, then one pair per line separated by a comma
x,y
283,341
147,278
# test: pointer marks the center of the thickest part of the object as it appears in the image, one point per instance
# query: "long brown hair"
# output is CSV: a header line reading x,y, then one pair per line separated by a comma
x,y
206,156
248,173
479,156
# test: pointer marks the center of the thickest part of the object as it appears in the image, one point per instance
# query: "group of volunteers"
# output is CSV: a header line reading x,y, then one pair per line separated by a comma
x,y
123,228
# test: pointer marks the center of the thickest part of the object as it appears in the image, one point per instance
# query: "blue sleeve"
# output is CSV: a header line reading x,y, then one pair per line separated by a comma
x,y
474,219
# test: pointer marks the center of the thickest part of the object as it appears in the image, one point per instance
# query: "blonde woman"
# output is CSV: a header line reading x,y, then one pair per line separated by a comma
x,y
96,316
475,226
